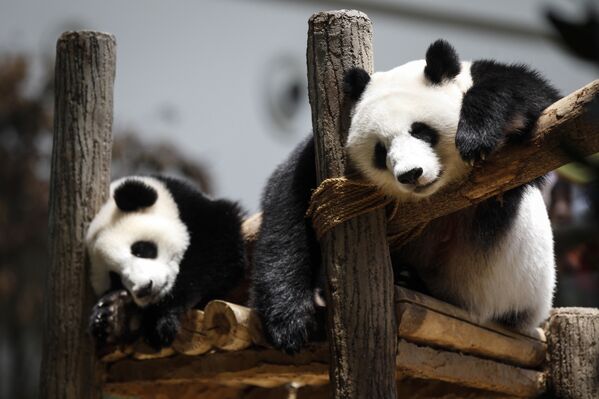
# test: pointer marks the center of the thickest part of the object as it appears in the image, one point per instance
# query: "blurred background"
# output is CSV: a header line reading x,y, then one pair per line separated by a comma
x,y
216,91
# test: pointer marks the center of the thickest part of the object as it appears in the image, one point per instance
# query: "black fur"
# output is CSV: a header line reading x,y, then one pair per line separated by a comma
x,y
514,319
502,97
355,81
442,62
213,264
144,249
513,93
133,195
287,255
379,159
115,319
425,133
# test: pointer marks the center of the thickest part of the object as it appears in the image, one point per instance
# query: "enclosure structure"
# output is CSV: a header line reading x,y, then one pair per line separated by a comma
x,y
383,341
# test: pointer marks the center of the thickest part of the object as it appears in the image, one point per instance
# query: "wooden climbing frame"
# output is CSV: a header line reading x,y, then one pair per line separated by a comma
x,y
383,342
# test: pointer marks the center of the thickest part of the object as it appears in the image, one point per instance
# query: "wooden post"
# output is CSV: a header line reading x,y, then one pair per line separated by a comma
x,y
573,353
362,333
80,176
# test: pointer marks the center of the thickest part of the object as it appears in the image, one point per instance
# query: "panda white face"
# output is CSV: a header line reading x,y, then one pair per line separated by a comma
x,y
402,134
139,236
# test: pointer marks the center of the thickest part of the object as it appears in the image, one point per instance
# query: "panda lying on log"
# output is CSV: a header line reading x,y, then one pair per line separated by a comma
x,y
159,247
415,129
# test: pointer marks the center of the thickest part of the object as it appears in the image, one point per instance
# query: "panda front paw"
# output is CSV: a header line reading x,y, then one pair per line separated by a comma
x,y
114,319
162,331
475,146
292,334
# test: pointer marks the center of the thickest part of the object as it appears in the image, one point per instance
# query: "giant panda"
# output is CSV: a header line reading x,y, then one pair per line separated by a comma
x,y
158,247
414,130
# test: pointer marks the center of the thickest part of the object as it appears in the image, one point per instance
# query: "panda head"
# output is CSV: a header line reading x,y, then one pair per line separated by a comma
x,y
403,126
138,237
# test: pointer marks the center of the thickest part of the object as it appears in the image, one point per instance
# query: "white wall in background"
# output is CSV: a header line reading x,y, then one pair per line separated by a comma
x,y
194,72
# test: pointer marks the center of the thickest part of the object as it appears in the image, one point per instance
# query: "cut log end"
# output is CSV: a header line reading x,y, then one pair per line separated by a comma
x,y
231,327
192,339
573,353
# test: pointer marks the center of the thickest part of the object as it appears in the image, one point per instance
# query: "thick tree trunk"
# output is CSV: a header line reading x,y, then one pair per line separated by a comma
x,y
573,353
362,333
85,67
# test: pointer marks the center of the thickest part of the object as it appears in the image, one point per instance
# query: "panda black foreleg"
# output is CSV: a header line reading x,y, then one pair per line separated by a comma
x,y
160,324
115,319
502,105
287,256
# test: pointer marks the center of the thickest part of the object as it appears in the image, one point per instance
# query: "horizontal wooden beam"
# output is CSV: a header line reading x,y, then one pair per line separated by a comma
x,y
422,319
426,324
423,326
271,368
261,367
404,295
428,363
571,120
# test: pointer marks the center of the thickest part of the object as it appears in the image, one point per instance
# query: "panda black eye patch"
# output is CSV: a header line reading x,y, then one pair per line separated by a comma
x,y
424,132
380,156
144,249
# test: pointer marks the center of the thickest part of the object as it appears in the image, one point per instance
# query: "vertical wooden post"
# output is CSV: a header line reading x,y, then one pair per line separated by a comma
x,y
362,332
80,176
573,353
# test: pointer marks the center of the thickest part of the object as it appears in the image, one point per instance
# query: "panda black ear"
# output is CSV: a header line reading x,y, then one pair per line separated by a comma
x,y
133,194
355,82
442,62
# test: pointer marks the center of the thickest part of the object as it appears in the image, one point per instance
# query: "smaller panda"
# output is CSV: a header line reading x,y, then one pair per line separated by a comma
x,y
157,248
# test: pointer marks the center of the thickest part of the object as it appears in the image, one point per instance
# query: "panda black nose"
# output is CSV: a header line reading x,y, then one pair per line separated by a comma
x,y
410,177
144,291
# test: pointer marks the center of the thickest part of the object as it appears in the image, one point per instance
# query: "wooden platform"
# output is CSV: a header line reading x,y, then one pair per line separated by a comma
x,y
223,346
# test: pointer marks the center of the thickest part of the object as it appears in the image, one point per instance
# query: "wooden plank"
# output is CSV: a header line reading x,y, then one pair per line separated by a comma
x,y
408,388
404,295
271,368
422,319
265,368
361,329
425,326
219,391
428,363
142,351
79,180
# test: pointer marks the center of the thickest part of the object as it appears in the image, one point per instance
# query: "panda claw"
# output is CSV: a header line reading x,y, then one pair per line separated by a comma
x,y
110,318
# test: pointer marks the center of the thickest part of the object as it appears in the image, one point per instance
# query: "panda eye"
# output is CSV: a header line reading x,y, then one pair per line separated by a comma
x,y
144,249
380,156
424,132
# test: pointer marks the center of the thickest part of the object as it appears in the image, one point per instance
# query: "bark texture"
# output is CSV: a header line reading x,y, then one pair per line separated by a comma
x,y
362,333
573,353
81,155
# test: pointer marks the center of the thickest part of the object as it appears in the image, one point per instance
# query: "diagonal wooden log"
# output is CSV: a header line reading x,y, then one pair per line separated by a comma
x,y
573,120
361,329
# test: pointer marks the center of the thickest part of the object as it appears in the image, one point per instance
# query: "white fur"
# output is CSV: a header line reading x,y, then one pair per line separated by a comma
x,y
515,274
112,232
392,101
